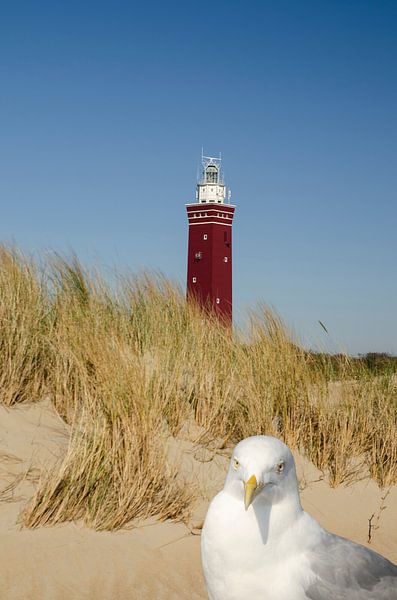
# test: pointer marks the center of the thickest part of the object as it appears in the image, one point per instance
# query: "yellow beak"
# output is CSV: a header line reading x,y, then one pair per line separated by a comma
x,y
249,488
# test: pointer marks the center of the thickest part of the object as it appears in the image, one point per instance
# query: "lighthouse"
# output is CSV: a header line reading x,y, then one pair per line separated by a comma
x,y
209,261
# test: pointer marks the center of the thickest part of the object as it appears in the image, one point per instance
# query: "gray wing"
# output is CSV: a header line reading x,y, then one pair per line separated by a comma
x,y
348,571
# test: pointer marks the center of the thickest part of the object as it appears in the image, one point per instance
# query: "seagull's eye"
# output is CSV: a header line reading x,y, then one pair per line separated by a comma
x,y
236,464
280,466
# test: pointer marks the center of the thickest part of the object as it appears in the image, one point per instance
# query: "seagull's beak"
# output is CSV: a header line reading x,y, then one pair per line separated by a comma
x,y
249,488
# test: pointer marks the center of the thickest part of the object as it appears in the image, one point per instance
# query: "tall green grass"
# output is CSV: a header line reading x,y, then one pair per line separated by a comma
x,y
128,364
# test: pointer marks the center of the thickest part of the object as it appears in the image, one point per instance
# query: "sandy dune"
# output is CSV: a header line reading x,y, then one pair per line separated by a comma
x,y
153,560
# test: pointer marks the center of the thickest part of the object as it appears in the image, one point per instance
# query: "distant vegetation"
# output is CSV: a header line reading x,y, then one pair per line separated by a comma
x,y
375,363
379,362
128,365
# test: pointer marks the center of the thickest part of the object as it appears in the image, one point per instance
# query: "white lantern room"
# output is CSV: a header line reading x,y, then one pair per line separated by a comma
x,y
210,187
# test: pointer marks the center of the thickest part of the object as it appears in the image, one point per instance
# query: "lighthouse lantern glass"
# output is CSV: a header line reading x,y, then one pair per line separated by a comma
x,y
211,174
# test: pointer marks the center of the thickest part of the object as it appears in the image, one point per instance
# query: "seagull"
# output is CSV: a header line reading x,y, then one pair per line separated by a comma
x,y
258,543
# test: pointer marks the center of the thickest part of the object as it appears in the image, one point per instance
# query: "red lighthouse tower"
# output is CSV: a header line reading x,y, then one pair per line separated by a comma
x,y
209,262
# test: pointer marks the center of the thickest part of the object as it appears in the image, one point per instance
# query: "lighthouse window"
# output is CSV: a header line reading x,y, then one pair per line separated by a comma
x,y
205,237
194,279
225,259
218,300
211,174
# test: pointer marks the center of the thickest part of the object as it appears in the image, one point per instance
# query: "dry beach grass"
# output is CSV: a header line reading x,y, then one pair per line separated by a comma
x,y
128,364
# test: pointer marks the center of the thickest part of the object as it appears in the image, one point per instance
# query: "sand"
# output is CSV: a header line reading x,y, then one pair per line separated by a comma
x,y
151,560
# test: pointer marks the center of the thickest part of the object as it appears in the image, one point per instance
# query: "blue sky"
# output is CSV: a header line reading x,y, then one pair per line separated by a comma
x,y
104,108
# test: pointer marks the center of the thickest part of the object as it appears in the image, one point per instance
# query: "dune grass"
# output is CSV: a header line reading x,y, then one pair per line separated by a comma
x,y
127,364
24,329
